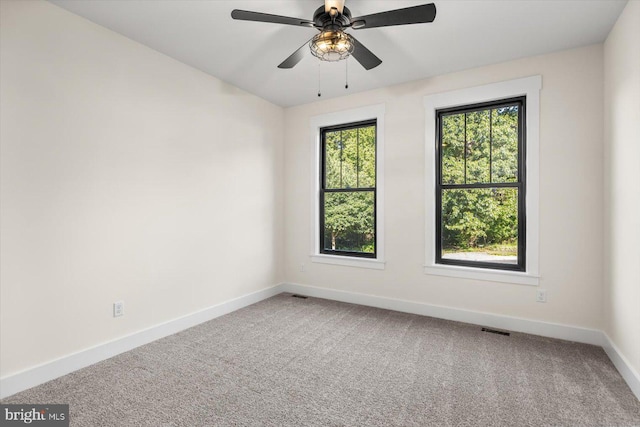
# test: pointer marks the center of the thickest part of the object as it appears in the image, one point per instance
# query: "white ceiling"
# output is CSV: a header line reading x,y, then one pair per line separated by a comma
x,y
465,34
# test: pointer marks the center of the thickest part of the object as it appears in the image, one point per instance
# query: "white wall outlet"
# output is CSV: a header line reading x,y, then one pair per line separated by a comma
x,y
118,308
541,295
302,268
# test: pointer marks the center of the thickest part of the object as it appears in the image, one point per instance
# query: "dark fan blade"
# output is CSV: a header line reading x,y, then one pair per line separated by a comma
x,y
295,57
246,15
409,15
364,56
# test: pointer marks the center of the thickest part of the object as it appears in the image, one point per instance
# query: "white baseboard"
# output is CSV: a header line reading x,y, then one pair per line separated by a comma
x,y
534,327
516,324
623,366
48,371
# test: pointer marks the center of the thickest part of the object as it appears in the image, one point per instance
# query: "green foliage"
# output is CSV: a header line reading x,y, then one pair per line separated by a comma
x,y
477,147
473,217
480,147
351,158
349,221
350,164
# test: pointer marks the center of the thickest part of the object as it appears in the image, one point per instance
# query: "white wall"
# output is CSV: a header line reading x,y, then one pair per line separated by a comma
x,y
126,175
622,184
571,195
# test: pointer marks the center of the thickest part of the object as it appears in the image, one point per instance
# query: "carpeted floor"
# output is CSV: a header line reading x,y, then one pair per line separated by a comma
x,y
311,362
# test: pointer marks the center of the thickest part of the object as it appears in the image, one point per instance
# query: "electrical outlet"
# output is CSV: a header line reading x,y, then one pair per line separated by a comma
x,y
118,308
541,295
302,268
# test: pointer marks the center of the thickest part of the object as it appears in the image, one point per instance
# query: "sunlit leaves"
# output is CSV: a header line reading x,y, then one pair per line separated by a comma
x,y
367,157
472,217
349,221
480,146
453,149
505,145
351,158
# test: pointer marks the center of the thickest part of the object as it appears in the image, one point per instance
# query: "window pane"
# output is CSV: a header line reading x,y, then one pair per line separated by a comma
x,y
478,147
333,153
349,221
480,225
453,149
367,157
504,167
349,158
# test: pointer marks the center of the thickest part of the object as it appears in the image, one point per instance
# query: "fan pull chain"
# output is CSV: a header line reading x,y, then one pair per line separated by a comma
x,y
346,73
319,87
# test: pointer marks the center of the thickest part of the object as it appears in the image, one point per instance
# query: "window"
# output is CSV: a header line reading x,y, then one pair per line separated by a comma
x,y
488,177
480,185
348,190
347,187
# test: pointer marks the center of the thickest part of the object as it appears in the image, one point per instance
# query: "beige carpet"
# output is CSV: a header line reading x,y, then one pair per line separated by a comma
x,y
311,362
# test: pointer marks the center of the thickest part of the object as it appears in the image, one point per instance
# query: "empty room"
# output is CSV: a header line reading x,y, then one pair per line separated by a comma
x,y
320,213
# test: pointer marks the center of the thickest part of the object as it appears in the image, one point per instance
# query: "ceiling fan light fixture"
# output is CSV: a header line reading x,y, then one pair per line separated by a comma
x,y
332,45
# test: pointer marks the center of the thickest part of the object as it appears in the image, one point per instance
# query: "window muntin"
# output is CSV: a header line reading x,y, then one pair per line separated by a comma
x,y
480,185
348,190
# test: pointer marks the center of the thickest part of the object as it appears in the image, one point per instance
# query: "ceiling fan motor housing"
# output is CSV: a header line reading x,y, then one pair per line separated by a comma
x,y
324,19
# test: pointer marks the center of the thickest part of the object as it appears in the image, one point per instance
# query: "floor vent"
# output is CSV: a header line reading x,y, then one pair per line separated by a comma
x,y
494,331
299,296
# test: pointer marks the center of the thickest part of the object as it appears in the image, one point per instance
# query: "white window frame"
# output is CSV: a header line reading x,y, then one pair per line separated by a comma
x,y
529,87
334,119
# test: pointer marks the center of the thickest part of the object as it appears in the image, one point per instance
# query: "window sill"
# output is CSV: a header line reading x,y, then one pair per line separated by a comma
x,y
348,261
483,274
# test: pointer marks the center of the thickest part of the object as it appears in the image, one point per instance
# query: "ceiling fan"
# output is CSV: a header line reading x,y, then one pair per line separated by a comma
x,y
332,19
